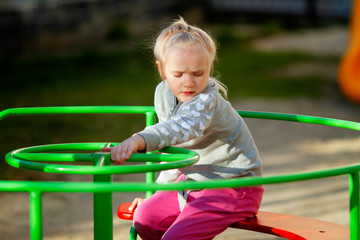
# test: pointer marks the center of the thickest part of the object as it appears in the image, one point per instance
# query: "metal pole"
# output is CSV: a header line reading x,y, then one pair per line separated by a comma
x,y
354,205
103,218
36,223
150,176
133,233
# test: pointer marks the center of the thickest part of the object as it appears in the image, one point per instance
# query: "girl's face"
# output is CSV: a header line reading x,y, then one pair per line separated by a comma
x,y
186,69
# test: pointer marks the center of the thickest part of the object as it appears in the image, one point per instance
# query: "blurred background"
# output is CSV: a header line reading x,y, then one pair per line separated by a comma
x,y
98,52
274,55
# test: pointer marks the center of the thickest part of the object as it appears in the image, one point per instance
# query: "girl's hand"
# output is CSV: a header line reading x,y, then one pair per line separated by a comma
x,y
135,203
124,150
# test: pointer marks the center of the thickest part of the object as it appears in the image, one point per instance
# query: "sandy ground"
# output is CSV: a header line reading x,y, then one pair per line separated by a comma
x,y
285,147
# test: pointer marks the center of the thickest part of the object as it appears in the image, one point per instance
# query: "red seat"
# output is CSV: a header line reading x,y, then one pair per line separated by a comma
x,y
282,225
124,212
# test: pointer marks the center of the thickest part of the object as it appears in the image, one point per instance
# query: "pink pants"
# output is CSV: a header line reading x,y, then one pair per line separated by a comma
x,y
206,214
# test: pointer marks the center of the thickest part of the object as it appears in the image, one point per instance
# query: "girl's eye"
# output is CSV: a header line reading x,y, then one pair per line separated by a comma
x,y
177,75
198,74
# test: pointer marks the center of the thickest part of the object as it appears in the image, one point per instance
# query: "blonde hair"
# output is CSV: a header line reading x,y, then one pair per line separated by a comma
x,y
181,32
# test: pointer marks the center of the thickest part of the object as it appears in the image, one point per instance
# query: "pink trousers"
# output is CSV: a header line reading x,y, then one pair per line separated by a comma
x,y
206,214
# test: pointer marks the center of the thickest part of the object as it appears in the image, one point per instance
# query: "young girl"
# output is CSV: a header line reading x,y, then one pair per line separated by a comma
x,y
193,114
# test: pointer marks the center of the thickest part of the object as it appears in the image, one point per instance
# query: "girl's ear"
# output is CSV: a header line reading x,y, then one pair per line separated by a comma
x,y
160,68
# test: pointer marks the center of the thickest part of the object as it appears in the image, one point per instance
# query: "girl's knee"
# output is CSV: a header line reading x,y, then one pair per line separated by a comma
x,y
148,223
141,221
141,214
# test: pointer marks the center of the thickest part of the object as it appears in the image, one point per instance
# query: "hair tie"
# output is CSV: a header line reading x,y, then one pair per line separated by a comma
x,y
185,31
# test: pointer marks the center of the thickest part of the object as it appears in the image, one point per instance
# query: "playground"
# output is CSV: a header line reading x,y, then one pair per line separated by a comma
x,y
285,148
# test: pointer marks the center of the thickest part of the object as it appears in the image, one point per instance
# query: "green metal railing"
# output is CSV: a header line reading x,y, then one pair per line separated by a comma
x,y
105,186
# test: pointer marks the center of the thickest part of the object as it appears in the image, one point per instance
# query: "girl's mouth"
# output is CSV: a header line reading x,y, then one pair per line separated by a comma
x,y
188,93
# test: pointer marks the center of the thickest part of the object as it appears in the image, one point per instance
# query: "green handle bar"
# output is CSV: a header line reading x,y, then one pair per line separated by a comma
x,y
30,158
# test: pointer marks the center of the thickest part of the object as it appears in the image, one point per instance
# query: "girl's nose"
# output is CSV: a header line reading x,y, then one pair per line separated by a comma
x,y
189,81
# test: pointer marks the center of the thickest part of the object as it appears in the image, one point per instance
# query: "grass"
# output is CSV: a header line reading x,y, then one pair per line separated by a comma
x,y
248,73
123,78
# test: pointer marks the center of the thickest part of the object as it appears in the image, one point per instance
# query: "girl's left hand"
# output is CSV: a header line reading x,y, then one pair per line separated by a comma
x,y
136,203
124,150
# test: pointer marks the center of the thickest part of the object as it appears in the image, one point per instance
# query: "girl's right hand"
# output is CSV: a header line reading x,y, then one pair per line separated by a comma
x,y
123,151
135,203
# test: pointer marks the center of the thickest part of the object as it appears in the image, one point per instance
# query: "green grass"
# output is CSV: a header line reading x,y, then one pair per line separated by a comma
x,y
249,73
92,78
122,78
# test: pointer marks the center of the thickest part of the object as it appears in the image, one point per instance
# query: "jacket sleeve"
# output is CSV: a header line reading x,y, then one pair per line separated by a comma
x,y
189,122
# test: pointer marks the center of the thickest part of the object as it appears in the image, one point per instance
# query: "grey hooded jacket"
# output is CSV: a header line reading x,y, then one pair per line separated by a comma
x,y
208,125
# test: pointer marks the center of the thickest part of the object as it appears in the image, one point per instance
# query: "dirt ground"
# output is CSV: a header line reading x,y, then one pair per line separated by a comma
x,y
285,147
